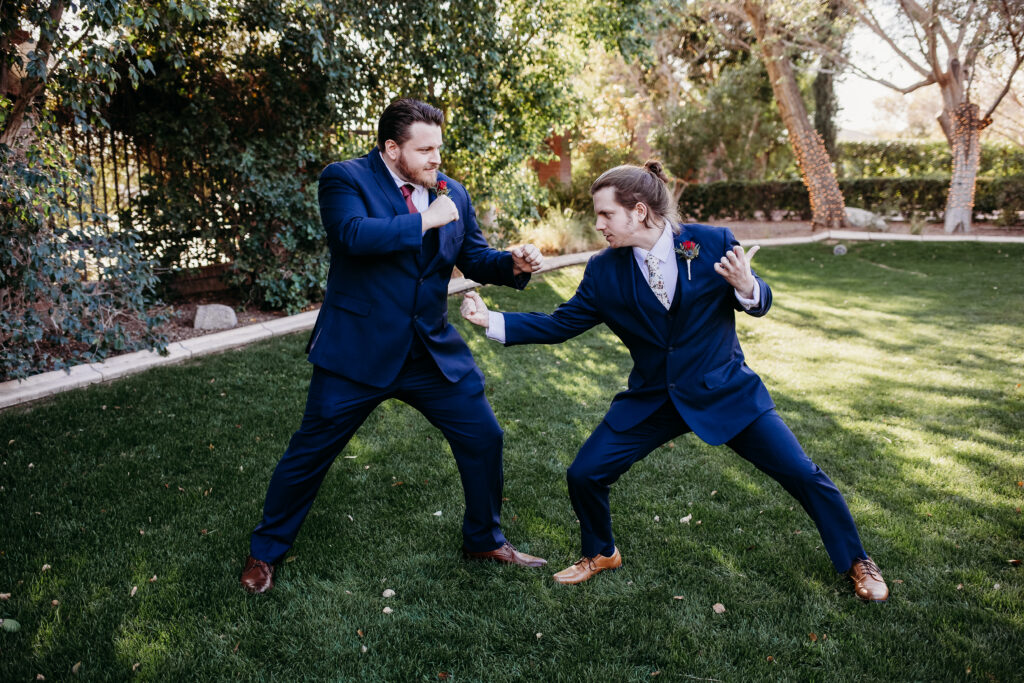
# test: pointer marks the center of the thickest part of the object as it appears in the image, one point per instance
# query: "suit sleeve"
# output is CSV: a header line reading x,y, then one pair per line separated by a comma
x,y
349,228
766,293
478,261
572,318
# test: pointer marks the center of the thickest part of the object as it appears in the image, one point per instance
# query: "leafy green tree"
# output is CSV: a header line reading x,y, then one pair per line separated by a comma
x,y
72,289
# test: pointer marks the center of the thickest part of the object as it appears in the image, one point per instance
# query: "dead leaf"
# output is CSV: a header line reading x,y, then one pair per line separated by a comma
x,y
135,589
55,603
5,596
46,567
996,587
181,490
813,637
41,677
959,586
770,658
1015,563
798,531
655,673
76,668
443,675
351,457
289,559
698,522
235,648
359,632
398,483
363,649
388,610
136,665
678,597
539,636
437,514
141,532
657,518
152,579
388,593
718,607
686,519
714,492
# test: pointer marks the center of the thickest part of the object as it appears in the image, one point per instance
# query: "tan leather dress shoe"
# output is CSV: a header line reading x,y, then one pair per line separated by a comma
x,y
258,576
587,567
508,555
868,582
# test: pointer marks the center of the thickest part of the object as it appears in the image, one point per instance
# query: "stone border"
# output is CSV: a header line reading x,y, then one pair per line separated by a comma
x,y
15,392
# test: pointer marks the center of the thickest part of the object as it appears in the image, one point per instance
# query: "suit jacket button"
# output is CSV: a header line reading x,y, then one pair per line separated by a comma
x,y
672,387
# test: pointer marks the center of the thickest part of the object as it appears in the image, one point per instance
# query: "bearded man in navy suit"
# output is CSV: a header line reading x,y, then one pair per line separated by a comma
x,y
395,227
670,293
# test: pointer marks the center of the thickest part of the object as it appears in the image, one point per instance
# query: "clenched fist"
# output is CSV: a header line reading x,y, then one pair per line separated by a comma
x,y
526,259
441,212
475,310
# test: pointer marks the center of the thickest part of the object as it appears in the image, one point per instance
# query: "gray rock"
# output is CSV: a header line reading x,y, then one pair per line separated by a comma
x,y
865,220
215,317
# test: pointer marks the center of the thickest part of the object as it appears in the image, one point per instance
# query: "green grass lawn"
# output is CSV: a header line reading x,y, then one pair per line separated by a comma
x,y
898,366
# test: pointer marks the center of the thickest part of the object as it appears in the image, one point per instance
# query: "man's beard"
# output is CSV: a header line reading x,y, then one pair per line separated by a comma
x,y
421,176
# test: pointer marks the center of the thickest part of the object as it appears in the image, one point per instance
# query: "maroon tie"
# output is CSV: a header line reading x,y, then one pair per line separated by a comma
x,y
407,193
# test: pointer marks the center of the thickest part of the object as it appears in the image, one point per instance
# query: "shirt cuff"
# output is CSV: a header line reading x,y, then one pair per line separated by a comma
x,y
496,326
746,303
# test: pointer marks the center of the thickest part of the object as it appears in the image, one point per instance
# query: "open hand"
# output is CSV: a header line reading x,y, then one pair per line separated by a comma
x,y
441,212
475,310
526,259
735,268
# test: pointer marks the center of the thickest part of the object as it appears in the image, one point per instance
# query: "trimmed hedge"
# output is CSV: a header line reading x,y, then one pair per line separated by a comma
x,y
924,197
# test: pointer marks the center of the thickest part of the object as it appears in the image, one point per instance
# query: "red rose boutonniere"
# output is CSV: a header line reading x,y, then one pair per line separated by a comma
x,y
442,188
689,250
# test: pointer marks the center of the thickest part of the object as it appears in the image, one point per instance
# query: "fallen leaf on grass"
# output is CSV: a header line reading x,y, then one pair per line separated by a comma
x,y
678,597
1015,563
55,603
437,514
351,457
359,632
76,668
289,559
959,586
813,637
152,579
46,567
135,589
655,673
235,648
996,587
714,492
657,518
539,636
350,518
388,610
398,483
443,675
363,649
5,596
686,519
388,593
770,658
718,607
136,665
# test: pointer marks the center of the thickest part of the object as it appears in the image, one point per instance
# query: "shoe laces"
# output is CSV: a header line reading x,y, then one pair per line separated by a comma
x,y
587,561
871,569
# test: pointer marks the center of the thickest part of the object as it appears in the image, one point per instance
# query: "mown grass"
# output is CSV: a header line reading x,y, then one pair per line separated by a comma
x,y
898,366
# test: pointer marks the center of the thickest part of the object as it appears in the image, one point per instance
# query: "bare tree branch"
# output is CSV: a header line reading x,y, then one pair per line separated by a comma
x,y
872,23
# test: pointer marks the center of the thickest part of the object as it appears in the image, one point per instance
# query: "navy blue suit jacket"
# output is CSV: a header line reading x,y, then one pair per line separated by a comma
x,y
380,292
695,359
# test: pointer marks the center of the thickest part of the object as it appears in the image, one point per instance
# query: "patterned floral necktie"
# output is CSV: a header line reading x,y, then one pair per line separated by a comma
x,y
657,281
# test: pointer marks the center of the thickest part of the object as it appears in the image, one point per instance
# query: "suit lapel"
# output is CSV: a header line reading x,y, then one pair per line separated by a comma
x,y
630,276
387,183
684,286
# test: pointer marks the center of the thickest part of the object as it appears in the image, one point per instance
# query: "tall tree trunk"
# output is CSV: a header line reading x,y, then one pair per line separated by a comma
x,y
964,135
31,86
827,204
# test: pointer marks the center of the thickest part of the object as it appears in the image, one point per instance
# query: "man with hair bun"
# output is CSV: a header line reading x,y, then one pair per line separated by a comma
x,y
670,292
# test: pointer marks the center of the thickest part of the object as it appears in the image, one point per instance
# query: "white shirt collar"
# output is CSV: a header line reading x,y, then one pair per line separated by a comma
x,y
662,249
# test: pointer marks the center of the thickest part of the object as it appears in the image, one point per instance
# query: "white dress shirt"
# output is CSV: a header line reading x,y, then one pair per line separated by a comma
x,y
420,196
665,253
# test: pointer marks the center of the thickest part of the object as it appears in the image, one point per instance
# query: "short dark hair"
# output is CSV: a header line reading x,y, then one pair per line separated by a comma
x,y
635,184
396,120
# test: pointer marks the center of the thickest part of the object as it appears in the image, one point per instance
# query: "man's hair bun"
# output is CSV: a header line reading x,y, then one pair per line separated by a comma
x,y
654,168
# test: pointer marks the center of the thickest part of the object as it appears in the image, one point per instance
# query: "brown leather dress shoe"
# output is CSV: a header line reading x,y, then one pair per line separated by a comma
x,y
508,555
587,567
868,582
258,576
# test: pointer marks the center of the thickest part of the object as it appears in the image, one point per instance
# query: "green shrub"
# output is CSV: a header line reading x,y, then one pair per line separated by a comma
x,y
72,290
923,197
